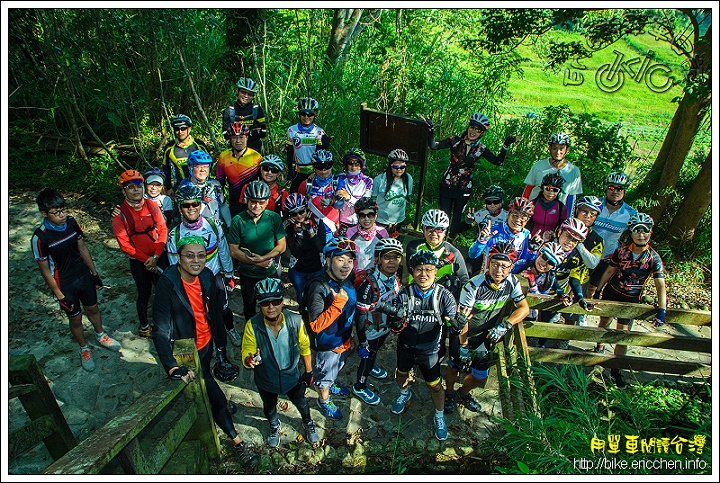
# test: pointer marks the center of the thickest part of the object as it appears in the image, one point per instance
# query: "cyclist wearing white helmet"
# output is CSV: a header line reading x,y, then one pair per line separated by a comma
x,y
559,146
465,152
611,222
176,154
238,165
244,110
392,189
302,140
624,280
353,185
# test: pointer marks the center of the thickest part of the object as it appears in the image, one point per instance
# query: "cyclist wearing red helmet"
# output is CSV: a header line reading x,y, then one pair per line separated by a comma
x,y
238,165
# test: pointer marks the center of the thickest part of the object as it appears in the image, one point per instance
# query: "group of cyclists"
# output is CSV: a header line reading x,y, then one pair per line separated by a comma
x,y
194,238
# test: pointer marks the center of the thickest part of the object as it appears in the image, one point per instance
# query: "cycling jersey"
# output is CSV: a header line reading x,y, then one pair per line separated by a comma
x,y
60,250
358,186
150,231
632,273
463,156
218,253
547,217
594,244
330,320
322,202
504,234
365,240
251,115
452,271
214,205
570,173
259,236
175,160
237,171
304,141
482,214
487,300
425,321
391,205
611,225
376,287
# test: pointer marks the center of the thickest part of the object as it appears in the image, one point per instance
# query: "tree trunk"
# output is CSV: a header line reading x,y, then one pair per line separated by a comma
x,y
345,20
693,207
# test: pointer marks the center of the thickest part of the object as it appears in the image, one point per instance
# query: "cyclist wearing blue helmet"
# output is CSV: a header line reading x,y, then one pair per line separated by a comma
x,y
215,207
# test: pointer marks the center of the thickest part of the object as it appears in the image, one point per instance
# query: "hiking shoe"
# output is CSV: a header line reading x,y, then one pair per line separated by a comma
x,y
329,409
145,331
339,391
244,456
470,403
378,372
311,433
235,337
582,321
399,403
273,439
367,395
86,358
449,402
441,432
618,378
108,342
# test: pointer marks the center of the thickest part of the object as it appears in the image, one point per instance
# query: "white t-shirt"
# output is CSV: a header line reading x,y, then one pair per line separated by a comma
x,y
571,173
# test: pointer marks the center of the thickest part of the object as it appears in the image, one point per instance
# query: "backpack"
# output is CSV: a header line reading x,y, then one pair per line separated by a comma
x,y
213,225
127,218
303,302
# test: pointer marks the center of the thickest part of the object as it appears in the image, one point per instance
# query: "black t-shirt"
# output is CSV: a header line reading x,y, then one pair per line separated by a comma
x,y
60,250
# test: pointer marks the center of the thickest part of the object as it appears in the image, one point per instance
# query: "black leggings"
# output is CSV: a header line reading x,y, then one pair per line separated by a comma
x,y
296,396
366,365
144,281
217,398
453,206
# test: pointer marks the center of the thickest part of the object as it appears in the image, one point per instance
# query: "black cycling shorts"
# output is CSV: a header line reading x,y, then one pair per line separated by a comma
x,y
429,364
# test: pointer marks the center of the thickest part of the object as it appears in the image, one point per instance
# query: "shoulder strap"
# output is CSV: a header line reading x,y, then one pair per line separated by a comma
x,y
255,109
214,227
232,113
128,219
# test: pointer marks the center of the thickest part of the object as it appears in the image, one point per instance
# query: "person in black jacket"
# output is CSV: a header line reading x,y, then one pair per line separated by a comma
x,y
189,303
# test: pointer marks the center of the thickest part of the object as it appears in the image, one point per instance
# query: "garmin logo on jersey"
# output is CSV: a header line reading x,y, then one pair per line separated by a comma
x,y
423,319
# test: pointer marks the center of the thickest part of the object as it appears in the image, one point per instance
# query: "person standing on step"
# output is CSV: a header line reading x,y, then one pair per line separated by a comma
x,y
68,269
274,342
246,112
303,139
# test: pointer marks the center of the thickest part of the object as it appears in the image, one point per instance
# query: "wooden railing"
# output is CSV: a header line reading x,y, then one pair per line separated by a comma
x,y
169,430
515,356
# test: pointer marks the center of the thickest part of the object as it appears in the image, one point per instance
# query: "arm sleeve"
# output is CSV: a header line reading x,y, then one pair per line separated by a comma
x,y
324,141
528,190
325,318
496,160
249,343
303,341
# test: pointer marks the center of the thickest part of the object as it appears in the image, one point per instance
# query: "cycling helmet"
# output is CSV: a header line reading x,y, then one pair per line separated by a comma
x,y
385,245
480,120
552,252
559,138
522,205
247,84
640,219
154,175
130,175
274,161
257,190
553,179
435,218
321,156
339,246
366,203
181,120
308,104
618,178
576,227
592,202
493,192
422,257
398,155
237,128
269,289
503,251
294,202
354,153
198,157
188,192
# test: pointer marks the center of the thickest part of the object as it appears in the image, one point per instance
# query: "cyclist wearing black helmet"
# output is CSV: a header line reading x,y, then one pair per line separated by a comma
x,y
214,204
366,234
176,154
247,112
549,210
465,151
303,139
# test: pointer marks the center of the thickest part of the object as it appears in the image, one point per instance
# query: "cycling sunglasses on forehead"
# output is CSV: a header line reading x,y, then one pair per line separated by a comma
x,y
346,245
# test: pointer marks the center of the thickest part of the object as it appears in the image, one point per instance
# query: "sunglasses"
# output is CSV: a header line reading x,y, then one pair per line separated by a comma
x,y
346,245
392,256
552,189
615,188
190,205
271,169
518,216
181,128
133,182
322,166
493,202
57,212
640,229
370,214
268,303
436,229
398,166
307,114
299,213
549,260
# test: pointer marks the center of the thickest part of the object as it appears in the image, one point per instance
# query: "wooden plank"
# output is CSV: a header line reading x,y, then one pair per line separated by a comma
x,y
521,345
30,435
656,340
191,458
19,390
504,386
622,309
559,356
24,370
163,443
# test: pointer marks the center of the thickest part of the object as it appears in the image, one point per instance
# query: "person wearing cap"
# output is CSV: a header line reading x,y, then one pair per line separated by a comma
x,y
630,266
188,305
237,166
247,112
271,168
331,300
256,238
214,203
353,185
419,312
482,301
154,191
465,152
381,283
274,342
176,154
141,232
302,140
